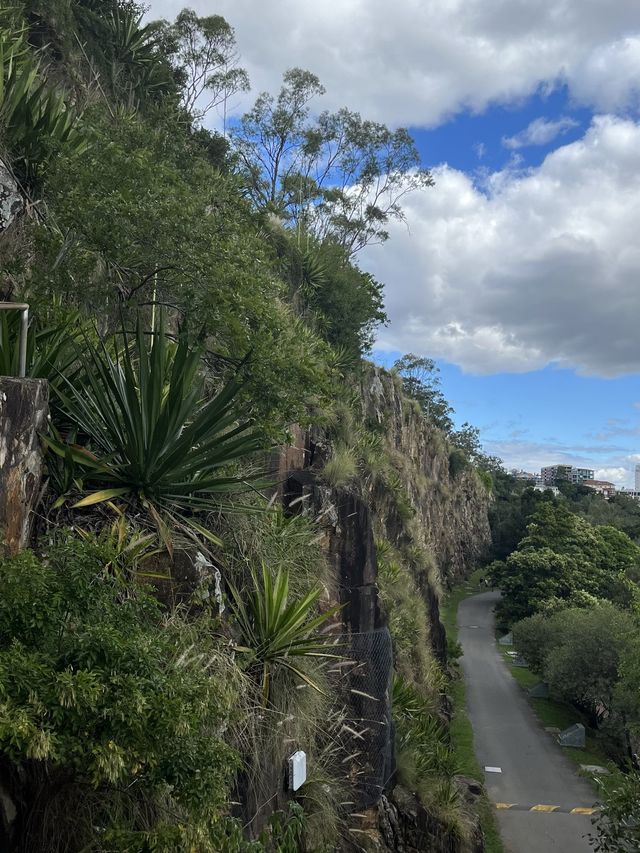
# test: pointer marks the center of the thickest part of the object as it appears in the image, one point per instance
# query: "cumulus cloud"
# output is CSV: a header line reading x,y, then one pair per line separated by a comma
x,y
618,476
422,60
609,77
542,266
541,131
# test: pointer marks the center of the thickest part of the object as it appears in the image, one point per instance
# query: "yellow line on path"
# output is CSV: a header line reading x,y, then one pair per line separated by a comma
x,y
543,808
583,811
505,805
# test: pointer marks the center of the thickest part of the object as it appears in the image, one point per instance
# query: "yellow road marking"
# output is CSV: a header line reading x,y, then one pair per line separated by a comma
x,y
583,811
505,805
543,808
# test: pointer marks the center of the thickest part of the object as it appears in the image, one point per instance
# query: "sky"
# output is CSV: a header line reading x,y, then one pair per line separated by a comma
x,y
519,271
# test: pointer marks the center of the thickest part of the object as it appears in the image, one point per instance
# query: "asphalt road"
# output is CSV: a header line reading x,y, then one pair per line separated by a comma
x,y
507,735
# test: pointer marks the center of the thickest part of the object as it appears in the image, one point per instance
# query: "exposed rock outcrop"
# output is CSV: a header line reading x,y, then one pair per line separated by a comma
x,y
440,517
11,200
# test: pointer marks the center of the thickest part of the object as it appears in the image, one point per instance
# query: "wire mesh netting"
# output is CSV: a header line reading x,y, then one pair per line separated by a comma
x,y
363,676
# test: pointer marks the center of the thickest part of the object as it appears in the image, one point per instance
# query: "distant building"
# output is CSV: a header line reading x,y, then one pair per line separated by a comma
x,y
602,487
637,483
524,475
540,487
634,494
565,472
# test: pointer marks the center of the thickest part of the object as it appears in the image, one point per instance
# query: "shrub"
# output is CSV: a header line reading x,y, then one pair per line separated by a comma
x,y
532,637
458,463
111,711
618,822
579,652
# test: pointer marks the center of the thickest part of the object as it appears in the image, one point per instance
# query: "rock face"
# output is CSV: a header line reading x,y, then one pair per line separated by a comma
x,y
11,201
445,518
23,415
451,512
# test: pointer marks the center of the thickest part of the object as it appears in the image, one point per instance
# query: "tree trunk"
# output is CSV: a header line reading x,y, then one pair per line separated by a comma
x,y
23,415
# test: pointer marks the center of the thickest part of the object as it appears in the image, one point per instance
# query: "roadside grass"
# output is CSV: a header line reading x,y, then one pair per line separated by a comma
x,y
460,729
555,714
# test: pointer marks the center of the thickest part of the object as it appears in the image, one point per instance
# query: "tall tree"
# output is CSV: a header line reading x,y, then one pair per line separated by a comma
x,y
336,175
204,52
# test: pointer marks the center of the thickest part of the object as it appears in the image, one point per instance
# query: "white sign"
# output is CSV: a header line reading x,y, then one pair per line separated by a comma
x,y
297,770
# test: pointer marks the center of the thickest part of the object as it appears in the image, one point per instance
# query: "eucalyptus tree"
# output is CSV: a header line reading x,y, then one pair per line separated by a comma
x,y
335,174
205,55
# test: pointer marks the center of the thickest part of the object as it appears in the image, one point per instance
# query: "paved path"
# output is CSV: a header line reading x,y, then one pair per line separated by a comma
x,y
508,735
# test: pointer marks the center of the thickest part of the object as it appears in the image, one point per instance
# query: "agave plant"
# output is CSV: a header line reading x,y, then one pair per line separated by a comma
x,y
277,632
151,435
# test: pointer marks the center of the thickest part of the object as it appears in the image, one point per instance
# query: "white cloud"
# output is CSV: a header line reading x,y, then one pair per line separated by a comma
x,y
541,131
541,268
420,60
618,476
609,77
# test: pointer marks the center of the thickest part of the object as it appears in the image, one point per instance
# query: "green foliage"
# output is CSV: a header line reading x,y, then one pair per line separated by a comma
x,y
458,463
421,382
276,538
337,176
578,651
341,468
343,303
143,217
133,54
618,823
426,763
204,53
125,549
33,115
114,708
49,348
467,439
510,512
409,627
277,632
561,555
153,436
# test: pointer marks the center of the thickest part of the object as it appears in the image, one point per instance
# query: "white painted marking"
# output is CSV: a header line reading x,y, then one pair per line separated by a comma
x,y
493,769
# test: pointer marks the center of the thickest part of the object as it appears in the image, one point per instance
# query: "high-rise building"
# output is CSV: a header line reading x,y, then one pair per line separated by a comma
x,y
565,472
638,478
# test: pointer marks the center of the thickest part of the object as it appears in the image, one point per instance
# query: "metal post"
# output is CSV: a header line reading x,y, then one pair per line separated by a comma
x,y
23,307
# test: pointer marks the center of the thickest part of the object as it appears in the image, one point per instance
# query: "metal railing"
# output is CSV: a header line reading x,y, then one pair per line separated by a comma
x,y
23,307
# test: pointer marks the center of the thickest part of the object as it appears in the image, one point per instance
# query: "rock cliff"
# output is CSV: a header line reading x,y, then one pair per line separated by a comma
x,y
404,498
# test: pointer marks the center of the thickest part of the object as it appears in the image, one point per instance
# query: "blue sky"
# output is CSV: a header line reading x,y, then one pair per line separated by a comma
x,y
548,416
541,416
519,270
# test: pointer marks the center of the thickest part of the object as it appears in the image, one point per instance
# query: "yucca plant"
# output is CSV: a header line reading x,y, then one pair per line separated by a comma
x,y
33,115
277,632
150,435
49,349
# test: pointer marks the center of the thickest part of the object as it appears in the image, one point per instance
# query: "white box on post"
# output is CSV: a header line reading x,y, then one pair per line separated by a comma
x,y
297,770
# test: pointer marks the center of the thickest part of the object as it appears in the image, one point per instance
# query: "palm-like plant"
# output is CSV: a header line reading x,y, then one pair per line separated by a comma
x,y
49,348
33,115
154,437
277,632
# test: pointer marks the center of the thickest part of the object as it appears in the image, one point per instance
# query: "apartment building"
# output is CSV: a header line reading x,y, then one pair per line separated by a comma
x,y
551,473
